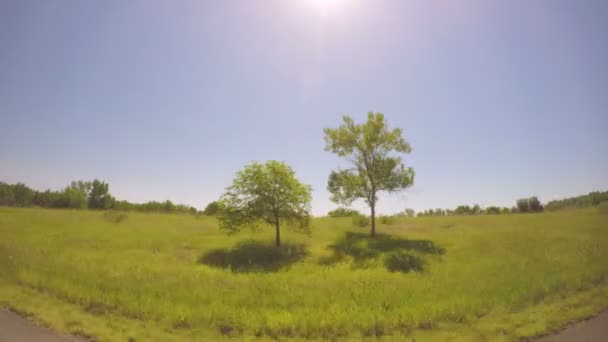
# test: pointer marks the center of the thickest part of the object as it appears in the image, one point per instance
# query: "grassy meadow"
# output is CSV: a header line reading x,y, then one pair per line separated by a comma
x,y
162,277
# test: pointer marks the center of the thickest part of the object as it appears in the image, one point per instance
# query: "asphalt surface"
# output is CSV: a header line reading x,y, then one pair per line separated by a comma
x,y
593,330
14,328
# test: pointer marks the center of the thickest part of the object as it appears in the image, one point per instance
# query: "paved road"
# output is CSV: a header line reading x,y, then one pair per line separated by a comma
x,y
593,330
14,328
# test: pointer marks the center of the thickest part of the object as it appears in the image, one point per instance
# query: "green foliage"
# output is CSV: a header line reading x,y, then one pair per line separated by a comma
x,y
23,195
74,198
212,208
18,195
492,210
370,147
79,195
154,206
343,212
529,205
387,219
410,212
266,194
361,220
165,277
99,195
589,200
463,210
466,210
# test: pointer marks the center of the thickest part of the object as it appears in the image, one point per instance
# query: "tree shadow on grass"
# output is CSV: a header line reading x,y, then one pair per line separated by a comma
x,y
255,256
399,255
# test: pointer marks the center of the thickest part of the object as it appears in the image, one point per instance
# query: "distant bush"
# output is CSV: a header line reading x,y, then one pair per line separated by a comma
x,y
387,219
361,221
343,212
114,216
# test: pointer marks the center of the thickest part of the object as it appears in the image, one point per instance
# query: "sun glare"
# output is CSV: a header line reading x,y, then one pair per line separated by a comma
x,y
327,5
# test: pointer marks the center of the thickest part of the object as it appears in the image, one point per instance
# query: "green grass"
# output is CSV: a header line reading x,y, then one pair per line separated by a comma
x,y
171,277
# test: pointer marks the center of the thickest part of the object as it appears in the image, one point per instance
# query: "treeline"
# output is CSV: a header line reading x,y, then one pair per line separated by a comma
x,y
468,210
81,195
524,205
589,200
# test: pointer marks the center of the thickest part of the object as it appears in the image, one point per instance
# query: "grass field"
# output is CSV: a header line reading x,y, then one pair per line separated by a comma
x,y
160,277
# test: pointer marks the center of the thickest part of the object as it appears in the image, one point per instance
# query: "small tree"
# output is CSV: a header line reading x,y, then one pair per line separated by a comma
x,y
369,147
266,194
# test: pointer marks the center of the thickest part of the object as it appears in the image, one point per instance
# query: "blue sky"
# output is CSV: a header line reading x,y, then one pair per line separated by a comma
x,y
168,99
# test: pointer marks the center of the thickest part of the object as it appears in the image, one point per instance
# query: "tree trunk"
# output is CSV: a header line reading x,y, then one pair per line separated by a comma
x,y
373,207
278,234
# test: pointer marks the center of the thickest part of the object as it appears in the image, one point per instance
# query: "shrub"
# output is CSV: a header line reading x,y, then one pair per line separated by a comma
x,y
114,216
387,219
361,221
343,212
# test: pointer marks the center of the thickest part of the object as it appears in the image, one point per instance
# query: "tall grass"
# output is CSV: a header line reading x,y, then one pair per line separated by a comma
x,y
182,273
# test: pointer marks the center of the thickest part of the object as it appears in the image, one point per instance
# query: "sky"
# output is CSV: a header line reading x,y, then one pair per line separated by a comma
x,y
169,99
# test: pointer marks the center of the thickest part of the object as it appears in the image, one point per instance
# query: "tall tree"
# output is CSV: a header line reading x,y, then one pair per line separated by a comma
x,y
99,195
266,194
371,147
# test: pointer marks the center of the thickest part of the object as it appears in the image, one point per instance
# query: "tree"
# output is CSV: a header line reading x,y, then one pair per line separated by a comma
x,y
212,208
7,195
99,196
522,205
492,210
476,210
462,209
168,206
531,204
534,204
24,196
410,212
72,197
370,147
266,194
